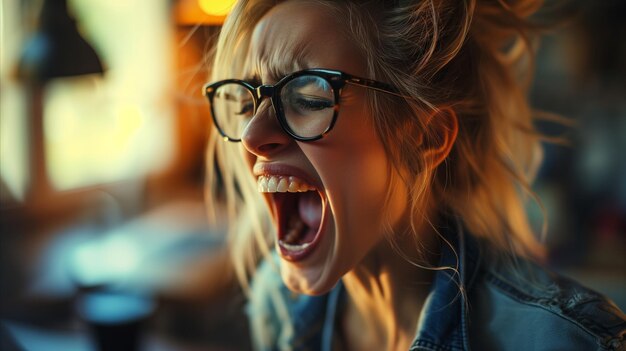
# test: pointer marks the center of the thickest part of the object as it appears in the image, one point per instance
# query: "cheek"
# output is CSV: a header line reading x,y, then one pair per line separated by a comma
x,y
353,166
358,155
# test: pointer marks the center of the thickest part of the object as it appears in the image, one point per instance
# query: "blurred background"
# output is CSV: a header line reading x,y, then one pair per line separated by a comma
x,y
103,229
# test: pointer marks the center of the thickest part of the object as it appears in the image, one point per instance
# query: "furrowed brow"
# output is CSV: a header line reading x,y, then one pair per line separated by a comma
x,y
276,64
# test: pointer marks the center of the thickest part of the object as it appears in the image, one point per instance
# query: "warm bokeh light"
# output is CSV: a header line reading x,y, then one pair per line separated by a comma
x,y
216,7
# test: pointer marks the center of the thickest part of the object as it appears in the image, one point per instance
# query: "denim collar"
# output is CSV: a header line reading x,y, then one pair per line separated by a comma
x,y
443,321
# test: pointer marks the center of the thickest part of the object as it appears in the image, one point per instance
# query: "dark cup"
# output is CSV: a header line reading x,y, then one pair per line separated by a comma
x,y
115,319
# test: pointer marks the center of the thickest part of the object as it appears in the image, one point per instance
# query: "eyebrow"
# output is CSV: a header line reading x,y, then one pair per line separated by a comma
x,y
278,63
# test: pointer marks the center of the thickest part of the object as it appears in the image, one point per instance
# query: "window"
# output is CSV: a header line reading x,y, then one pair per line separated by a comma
x,y
13,142
118,126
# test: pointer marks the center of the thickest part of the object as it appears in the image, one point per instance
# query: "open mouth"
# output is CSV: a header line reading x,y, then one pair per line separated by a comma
x,y
299,209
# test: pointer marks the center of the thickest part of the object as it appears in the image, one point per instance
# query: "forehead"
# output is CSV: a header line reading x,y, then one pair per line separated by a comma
x,y
299,34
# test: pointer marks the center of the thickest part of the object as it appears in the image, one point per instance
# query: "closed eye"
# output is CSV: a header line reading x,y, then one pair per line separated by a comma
x,y
246,109
311,103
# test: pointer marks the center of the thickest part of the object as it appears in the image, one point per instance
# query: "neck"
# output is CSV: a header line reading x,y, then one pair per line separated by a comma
x,y
385,297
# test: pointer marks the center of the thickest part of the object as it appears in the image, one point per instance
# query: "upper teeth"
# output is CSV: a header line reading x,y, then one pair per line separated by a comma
x,y
282,184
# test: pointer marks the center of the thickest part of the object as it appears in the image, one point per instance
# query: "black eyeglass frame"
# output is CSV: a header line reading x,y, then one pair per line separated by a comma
x,y
336,79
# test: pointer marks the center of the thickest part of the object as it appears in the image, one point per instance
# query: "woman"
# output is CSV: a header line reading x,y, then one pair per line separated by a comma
x,y
378,159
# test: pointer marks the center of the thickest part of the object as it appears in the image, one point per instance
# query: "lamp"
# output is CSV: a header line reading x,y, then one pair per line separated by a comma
x,y
57,49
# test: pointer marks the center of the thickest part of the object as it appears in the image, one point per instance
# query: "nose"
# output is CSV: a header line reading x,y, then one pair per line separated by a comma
x,y
263,136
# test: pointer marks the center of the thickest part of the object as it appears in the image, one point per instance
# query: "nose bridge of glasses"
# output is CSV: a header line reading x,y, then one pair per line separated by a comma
x,y
264,91
261,92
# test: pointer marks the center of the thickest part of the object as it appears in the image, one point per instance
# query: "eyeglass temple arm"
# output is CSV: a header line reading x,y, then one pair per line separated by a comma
x,y
372,84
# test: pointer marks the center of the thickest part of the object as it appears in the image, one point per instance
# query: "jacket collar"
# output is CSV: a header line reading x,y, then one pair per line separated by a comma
x,y
443,322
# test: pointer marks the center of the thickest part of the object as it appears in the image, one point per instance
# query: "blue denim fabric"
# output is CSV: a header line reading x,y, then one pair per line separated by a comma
x,y
480,306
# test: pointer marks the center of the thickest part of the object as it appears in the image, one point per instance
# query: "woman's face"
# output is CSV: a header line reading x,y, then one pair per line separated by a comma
x,y
327,231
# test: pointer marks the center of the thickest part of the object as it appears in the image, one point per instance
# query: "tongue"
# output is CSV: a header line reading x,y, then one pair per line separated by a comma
x,y
310,209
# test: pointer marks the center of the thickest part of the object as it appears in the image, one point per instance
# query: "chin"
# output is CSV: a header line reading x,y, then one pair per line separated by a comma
x,y
317,274
308,281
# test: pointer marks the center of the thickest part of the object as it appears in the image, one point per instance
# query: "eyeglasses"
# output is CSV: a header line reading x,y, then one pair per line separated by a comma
x,y
306,103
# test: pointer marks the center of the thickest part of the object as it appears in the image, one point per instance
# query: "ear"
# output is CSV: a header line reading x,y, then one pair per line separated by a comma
x,y
442,128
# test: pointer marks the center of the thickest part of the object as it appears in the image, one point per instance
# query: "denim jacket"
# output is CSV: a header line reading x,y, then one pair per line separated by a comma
x,y
483,307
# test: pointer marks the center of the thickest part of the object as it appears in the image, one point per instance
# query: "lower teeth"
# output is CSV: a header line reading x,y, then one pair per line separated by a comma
x,y
295,247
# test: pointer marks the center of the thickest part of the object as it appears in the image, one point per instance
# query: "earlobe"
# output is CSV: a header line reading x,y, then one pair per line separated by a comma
x,y
442,130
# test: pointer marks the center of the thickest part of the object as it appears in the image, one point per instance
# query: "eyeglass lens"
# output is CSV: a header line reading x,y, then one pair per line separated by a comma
x,y
307,102
233,107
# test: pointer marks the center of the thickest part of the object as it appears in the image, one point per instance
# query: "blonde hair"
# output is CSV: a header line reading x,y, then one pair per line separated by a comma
x,y
469,57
